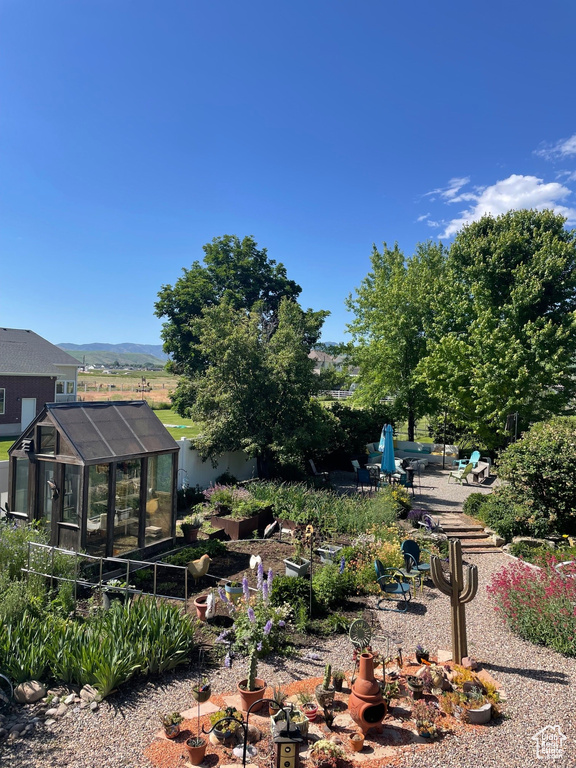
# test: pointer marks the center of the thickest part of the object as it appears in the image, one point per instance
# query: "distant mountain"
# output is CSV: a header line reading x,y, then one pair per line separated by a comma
x,y
143,349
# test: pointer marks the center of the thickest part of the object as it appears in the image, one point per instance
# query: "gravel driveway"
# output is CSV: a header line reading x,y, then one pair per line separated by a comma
x,y
539,685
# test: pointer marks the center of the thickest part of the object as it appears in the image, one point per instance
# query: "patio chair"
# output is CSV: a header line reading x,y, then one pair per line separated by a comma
x,y
461,474
323,477
411,552
431,525
364,477
474,459
392,583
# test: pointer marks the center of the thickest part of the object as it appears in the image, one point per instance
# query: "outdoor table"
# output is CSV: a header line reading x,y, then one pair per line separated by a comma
x,y
481,471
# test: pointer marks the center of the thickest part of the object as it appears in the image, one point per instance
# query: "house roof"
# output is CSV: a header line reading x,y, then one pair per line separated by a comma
x,y
111,430
24,352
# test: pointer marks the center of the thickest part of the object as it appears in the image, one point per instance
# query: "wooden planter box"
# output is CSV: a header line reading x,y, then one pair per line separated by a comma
x,y
242,529
289,525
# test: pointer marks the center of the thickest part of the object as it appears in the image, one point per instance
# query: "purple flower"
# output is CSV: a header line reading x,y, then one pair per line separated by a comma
x,y
222,636
270,578
342,564
259,647
246,588
251,615
281,623
223,595
260,575
265,591
268,627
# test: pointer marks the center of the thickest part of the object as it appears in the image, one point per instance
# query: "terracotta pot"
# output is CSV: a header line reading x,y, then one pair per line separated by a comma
x,y
366,704
247,698
171,731
202,696
190,535
356,741
197,753
201,606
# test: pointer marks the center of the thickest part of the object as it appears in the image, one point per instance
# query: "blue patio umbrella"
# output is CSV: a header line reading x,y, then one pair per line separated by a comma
x,y
387,446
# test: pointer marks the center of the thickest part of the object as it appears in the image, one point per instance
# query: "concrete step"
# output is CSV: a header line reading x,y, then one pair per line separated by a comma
x,y
478,550
461,527
467,534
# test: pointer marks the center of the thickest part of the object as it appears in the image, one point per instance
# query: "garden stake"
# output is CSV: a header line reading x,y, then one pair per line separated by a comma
x,y
459,594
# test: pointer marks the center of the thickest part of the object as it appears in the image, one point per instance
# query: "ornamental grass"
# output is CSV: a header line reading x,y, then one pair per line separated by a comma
x,y
538,604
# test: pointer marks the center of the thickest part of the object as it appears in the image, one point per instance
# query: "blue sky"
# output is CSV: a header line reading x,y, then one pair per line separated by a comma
x,y
132,132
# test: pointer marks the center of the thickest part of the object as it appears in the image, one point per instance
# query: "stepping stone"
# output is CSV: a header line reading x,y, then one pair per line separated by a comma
x,y
206,708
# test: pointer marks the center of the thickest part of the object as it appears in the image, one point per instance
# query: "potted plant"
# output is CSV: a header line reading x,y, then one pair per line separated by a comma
x,y
325,754
338,679
299,719
190,526
416,686
425,716
325,691
309,709
233,591
227,729
196,746
202,691
297,565
114,590
279,697
422,654
251,688
171,723
357,741
478,708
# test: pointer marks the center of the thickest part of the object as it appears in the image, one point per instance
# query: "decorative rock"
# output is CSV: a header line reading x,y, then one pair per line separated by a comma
x,y
55,701
444,656
17,728
69,699
52,712
50,722
469,663
62,709
28,693
94,706
254,734
498,540
88,693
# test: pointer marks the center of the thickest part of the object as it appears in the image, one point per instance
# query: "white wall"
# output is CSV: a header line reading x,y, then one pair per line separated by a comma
x,y
3,482
202,473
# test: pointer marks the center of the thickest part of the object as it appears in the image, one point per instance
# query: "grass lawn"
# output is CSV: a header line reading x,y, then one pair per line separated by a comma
x,y
184,428
5,443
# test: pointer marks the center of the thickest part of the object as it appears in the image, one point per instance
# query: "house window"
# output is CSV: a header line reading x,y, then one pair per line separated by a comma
x,y
2,400
47,440
65,387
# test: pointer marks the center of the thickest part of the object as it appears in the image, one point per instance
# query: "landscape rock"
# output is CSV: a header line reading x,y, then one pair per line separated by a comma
x,y
88,693
69,699
469,663
498,540
28,693
62,709
94,706
50,722
51,712
444,656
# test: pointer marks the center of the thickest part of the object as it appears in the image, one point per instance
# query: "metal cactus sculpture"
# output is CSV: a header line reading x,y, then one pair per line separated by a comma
x,y
461,589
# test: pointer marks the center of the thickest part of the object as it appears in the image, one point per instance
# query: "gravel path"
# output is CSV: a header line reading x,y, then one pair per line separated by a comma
x,y
539,685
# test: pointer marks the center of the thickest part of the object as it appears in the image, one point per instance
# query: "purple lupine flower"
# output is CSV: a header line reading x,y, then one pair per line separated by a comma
x,y
281,623
223,595
227,661
260,575
259,647
251,615
342,564
268,627
246,588
222,636
270,578
265,591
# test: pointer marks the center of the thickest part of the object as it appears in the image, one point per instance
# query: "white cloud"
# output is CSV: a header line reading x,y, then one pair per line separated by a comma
x,y
433,223
423,217
512,193
562,148
450,191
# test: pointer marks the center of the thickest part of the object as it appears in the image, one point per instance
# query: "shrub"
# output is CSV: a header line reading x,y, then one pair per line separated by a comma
x,y
537,605
332,587
473,504
211,547
506,517
540,470
293,591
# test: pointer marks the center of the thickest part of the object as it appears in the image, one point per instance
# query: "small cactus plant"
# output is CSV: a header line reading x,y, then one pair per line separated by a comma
x,y
327,677
252,669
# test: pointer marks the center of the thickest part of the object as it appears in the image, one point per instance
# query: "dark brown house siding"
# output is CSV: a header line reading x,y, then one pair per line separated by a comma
x,y
17,387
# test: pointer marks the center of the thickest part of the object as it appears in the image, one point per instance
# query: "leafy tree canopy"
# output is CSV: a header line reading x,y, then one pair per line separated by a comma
x,y
235,271
254,393
503,338
393,311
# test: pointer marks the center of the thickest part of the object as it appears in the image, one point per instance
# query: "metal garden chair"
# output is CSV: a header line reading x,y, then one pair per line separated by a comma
x,y
391,581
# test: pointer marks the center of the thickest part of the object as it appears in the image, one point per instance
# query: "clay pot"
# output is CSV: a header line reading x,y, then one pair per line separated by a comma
x,y
201,606
196,753
366,704
171,731
190,534
247,698
357,741
415,685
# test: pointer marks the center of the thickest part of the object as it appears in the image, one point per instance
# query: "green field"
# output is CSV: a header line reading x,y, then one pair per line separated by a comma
x,y
5,443
185,428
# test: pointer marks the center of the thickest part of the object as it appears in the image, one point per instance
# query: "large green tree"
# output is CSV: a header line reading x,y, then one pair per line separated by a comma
x,y
504,331
393,311
235,271
254,392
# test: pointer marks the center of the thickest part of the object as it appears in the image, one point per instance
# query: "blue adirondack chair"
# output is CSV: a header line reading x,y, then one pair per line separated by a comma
x,y
474,459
